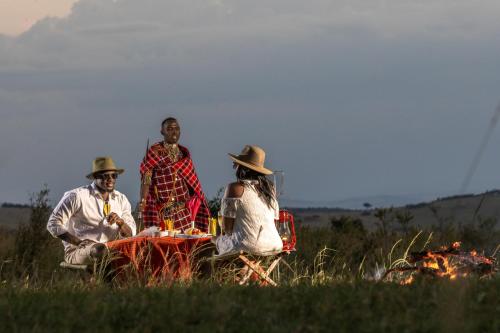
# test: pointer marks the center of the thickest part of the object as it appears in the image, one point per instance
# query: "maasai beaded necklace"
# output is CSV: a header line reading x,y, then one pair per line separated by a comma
x,y
172,151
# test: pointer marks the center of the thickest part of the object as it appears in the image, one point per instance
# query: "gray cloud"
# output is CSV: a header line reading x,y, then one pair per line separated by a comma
x,y
349,97
179,32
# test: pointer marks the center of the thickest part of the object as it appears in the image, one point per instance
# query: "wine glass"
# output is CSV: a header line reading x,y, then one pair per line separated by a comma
x,y
279,182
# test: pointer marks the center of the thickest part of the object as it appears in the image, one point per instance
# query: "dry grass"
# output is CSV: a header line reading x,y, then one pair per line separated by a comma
x,y
330,283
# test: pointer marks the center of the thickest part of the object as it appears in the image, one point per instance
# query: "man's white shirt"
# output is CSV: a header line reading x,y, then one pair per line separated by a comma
x,y
81,213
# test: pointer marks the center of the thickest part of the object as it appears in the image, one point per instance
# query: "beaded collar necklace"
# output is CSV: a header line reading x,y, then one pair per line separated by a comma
x,y
172,151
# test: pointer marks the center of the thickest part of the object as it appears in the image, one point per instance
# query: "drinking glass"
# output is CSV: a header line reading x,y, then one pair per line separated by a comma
x,y
212,226
169,224
219,223
279,182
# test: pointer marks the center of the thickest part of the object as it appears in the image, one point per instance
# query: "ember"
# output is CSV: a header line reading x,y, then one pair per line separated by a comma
x,y
446,263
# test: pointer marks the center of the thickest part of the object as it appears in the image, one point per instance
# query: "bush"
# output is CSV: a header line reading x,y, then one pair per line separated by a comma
x,y
32,240
347,224
214,203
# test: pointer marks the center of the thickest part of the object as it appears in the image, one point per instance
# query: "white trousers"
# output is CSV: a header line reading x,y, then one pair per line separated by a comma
x,y
79,255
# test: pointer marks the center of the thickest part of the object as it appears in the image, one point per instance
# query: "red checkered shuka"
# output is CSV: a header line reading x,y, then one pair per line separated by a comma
x,y
165,187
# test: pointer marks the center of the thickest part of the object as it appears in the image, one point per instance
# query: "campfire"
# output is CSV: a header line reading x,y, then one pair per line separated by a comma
x,y
448,262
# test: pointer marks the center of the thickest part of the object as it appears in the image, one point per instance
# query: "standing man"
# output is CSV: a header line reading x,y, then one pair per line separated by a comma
x,y
91,215
170,189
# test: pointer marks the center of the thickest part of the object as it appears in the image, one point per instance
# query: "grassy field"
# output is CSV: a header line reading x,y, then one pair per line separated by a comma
x,y
440,306
330,284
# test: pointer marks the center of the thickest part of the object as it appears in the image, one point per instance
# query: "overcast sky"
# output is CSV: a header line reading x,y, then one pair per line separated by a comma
x,y
351,98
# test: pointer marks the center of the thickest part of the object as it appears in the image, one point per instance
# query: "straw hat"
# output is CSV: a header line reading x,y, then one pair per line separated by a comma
x,y
252,157
101,164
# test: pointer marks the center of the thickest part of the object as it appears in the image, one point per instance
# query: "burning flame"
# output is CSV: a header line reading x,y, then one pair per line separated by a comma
x,y
442,266
449,263
408,280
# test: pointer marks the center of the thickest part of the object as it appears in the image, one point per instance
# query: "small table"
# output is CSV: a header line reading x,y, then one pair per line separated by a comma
x,y
164,258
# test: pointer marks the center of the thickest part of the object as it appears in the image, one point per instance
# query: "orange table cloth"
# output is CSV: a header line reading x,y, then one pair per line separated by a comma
x,y
158,257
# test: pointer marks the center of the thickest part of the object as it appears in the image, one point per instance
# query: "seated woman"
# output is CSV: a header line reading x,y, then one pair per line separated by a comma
x,y
249,208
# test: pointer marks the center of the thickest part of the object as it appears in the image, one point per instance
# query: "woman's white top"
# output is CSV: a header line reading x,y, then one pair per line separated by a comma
x,y
254,230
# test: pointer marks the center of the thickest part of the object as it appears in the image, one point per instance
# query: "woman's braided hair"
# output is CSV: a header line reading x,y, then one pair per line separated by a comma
x,y
264,186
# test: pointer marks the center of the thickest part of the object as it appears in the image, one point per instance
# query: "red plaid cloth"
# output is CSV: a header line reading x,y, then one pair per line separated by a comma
x,y
165,258
186,191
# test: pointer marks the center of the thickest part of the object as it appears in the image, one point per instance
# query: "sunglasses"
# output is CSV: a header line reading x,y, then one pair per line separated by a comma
x,y
104,176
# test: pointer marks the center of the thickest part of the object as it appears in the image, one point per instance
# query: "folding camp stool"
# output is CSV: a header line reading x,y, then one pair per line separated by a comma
x,y
259,269
85,272
83,268
88,272
246,267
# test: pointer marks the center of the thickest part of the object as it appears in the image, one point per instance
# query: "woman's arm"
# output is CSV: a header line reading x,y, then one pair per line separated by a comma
x,y
227,225
233,191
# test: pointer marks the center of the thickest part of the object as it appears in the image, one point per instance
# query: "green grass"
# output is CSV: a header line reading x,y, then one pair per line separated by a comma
x,y
438,306
327,285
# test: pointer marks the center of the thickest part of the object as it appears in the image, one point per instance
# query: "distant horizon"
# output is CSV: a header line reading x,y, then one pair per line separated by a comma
x,y
352,203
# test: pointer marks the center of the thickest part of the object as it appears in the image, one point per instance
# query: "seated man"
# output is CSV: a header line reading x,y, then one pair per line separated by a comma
x,y
91,215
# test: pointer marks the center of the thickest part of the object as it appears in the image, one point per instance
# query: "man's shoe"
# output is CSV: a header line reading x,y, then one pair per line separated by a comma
x,y
98,251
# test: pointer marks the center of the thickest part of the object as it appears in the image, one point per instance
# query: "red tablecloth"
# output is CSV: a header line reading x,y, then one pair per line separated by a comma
x,y
158,257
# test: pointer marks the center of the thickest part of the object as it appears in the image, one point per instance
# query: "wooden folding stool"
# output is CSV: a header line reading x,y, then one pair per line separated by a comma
x,y
257,270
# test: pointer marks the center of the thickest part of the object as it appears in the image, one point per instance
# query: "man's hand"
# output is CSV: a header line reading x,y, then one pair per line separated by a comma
x,y
141,205
86,242
125,230
69,238
114,218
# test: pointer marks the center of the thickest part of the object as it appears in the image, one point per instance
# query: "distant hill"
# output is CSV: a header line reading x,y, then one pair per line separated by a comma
x,y
452,209
11,215
14,205
358,202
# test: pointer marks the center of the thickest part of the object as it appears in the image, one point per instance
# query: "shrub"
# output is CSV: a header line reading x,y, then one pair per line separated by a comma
x,y
32,239
214,203
347,224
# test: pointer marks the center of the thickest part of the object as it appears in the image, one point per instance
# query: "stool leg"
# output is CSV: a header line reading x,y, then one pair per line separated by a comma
x,y
247,272
257,269
247,275
273,265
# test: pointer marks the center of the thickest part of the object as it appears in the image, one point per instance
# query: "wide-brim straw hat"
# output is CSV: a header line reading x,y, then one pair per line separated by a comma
x,y
102,164
252,157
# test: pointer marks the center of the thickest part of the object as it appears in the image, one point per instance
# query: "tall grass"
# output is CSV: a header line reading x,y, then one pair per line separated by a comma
x,y
347,252
331,283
